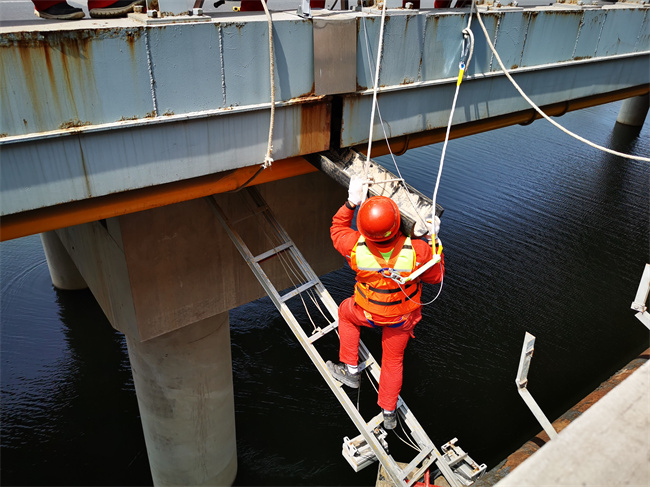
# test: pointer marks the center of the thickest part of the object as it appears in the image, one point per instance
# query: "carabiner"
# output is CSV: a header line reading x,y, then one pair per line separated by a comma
x,y
389,273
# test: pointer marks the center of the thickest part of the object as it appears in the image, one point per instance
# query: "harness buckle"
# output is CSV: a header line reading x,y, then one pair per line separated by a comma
x,y
389,273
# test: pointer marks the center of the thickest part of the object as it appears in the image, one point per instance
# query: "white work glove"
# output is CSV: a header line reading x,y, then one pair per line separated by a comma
x,y
434,227
357,190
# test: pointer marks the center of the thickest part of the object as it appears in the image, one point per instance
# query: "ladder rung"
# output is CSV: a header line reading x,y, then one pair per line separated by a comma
x,y
254,212
366,364
270,253
414,463
299,289
321,332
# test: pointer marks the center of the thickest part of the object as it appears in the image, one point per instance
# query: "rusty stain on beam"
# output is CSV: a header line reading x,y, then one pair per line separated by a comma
x,y
314,130
401,144
78,212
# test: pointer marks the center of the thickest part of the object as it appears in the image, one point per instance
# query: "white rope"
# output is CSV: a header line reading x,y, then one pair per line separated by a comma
x,y
442,161
383,128
463,69
268,160
375,87
538,110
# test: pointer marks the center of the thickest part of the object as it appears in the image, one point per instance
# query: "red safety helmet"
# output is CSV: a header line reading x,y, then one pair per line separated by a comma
x,y
378,218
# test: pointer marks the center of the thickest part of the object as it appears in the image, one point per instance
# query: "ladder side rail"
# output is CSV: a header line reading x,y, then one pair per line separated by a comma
x,y
268,215
245,252
420,436
327,299
389,463
337,388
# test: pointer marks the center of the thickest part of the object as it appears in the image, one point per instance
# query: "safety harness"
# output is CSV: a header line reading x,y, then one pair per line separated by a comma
x,y
376,290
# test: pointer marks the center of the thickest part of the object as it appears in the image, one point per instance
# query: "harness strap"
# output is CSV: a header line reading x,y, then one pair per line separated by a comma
x,y
389,303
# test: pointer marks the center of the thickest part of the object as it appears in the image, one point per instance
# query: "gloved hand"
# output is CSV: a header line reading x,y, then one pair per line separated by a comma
x,y
434,227
357,190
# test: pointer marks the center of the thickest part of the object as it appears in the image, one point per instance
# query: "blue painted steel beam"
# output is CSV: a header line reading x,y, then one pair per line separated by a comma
x,y
556,54
92,109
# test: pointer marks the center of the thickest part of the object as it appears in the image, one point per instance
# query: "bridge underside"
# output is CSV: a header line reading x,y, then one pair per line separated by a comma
x,y
105,120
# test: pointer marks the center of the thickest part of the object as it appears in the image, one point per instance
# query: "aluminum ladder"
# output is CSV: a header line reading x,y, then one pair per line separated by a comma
x,y
372,434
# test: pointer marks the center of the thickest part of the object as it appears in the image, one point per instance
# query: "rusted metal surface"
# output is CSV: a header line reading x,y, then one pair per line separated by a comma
x,y
314,130
50,78
103,75
555,53
530,447
60,169
96,108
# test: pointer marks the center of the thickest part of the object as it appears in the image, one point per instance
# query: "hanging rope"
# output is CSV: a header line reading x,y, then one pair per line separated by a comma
x,y
375,88
268,160
383,127
539,110
467,50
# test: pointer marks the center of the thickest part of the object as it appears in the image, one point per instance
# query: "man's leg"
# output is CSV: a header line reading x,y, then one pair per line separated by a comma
x,y
393,343
349,333
350,320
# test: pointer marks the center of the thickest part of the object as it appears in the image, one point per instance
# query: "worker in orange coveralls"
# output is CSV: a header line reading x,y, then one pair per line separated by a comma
x,y
379,301
104,9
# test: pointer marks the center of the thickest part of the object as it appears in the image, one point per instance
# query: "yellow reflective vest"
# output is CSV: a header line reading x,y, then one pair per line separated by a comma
x,y
379,294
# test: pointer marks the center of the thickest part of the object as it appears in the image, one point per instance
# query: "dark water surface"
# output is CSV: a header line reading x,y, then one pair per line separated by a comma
x,y
541,234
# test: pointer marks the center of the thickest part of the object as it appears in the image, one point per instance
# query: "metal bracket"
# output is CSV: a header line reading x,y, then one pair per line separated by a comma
x,y
467,470
522,382
641,298
304,9
357,451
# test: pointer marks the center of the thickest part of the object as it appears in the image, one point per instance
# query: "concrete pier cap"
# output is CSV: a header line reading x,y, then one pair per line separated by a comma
x,y
166,278
63,271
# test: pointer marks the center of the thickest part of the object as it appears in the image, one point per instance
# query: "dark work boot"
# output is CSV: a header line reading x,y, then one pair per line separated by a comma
x,y
390,419
116,9
61,11
341,373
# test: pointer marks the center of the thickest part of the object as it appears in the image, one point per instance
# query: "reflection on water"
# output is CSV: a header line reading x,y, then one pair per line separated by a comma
x,y
541,234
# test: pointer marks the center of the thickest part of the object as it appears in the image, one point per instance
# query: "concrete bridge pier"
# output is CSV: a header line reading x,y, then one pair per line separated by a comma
x,y
184,386
634,110
63,271
166,278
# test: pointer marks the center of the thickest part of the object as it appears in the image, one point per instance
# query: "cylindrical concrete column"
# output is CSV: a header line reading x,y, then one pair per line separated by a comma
x,y
634,110
183,381
63,271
